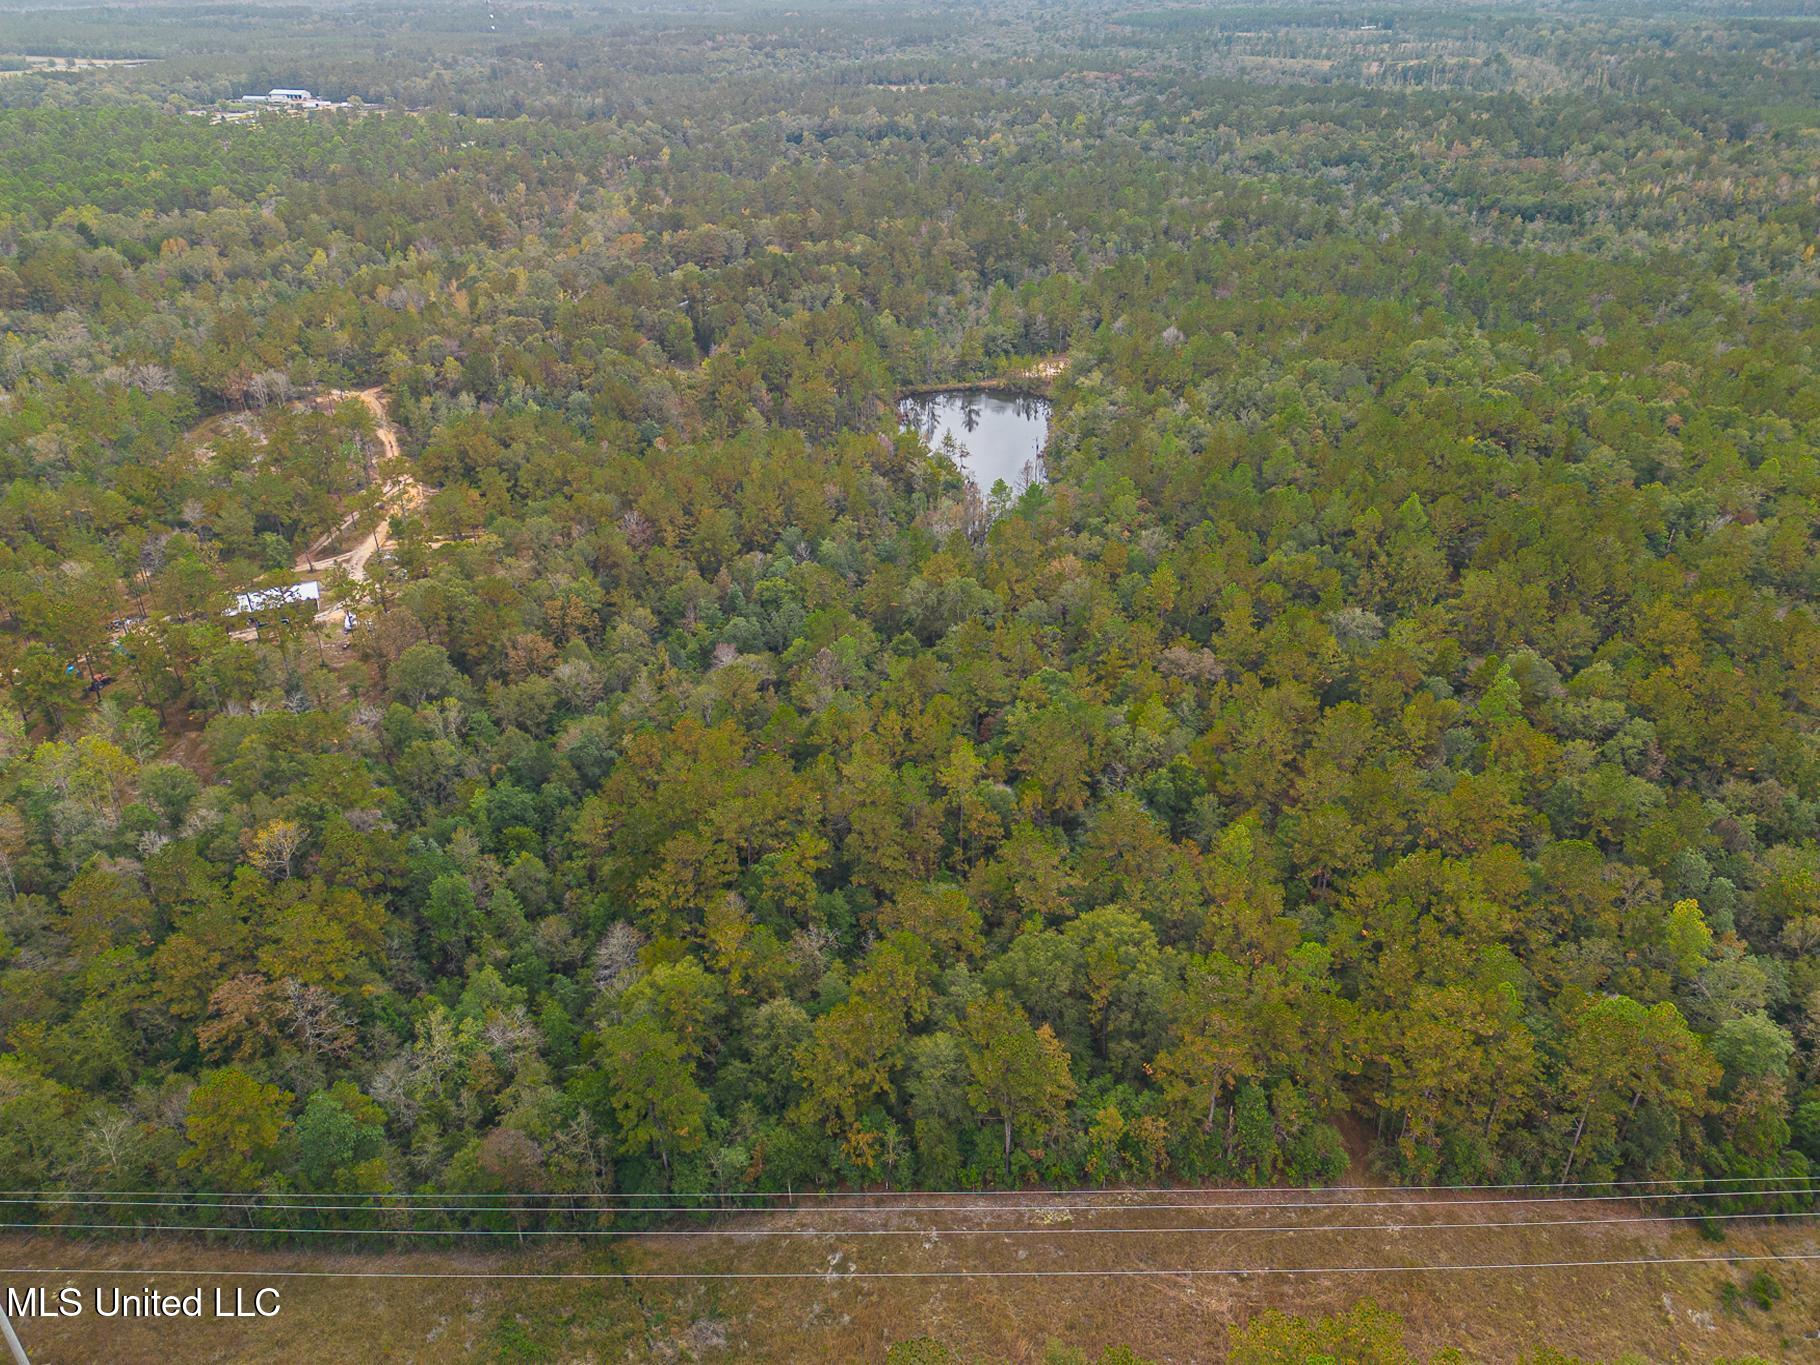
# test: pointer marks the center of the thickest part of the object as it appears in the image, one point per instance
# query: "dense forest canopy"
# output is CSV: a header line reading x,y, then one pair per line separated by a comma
x,y
1388,736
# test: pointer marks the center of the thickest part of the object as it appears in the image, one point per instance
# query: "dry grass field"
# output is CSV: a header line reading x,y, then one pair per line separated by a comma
x,y
819,1302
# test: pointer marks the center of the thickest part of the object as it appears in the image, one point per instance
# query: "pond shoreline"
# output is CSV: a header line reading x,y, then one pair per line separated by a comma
x,y
1007,388
1035,381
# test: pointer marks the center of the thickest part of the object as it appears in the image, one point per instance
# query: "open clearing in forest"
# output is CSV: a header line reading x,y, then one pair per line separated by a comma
x,y
1668,1312
352,542
38,65
401,493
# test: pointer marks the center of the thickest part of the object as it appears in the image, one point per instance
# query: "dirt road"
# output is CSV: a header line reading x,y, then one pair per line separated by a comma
x,y
399,493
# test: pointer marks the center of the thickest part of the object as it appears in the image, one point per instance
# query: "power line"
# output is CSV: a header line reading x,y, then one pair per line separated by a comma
x,y
1187,1230
1033,1190
873,1209
1115,1273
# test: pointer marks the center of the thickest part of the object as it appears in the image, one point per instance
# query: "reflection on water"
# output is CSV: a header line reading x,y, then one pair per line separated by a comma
x,y
997,436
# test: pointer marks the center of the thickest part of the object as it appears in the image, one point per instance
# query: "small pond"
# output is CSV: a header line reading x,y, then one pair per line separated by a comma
x,y
997,435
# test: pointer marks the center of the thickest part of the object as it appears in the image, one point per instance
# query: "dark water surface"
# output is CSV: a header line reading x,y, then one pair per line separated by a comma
x,y
998,436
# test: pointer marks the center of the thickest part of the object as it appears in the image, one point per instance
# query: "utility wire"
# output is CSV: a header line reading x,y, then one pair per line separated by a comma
x,y
377,1203
1193,1229
825,1275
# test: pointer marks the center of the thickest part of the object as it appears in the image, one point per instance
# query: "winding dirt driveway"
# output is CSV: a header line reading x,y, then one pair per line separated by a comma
x,y
399,493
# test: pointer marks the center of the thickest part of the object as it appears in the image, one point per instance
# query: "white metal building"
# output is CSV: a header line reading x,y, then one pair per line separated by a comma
x,y
276,599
